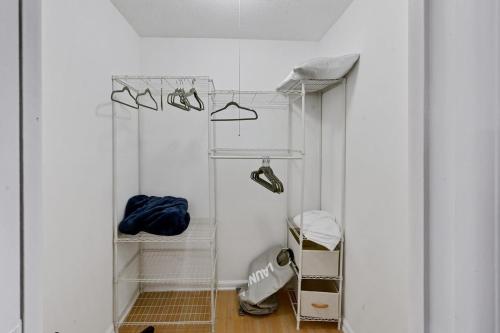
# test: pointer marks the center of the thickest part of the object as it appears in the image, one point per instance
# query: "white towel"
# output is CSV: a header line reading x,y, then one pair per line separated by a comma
x,y
320,227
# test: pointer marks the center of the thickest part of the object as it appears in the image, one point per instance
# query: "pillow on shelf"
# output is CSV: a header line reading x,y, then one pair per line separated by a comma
x,y
326,68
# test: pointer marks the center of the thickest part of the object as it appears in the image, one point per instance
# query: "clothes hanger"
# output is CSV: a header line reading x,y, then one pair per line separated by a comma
x,y
147,92
274,184
255,177
171,100
125,89
269,173
193,92
277,183
183,102
233,103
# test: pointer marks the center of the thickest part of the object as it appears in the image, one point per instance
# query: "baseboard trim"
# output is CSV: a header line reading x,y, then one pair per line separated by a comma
x,y
346,327
230,284
18,328
111,329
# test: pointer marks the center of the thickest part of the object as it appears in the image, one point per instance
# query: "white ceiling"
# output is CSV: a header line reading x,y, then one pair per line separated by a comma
x,y
260,19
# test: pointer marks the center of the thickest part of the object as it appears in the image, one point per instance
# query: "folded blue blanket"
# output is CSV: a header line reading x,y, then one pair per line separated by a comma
x,y
165,216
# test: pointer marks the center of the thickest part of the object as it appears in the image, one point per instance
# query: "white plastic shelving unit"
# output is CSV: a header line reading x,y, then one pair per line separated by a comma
x,y
160,280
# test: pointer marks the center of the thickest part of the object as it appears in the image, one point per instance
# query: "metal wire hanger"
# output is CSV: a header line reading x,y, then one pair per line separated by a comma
x,y
125,89
147,92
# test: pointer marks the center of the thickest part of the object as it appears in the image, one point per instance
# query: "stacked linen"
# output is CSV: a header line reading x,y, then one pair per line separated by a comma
x,y
320,227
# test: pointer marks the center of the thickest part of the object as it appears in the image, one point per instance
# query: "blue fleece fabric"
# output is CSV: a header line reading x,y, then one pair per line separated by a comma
x,y
166,216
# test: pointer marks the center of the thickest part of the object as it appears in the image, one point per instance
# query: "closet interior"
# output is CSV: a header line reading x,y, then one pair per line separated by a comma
x,y
229,152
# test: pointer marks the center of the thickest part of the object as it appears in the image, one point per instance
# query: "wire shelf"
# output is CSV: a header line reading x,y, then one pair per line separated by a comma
x,y
198,230
155,84
283,154
253,99
174,275
311,86
170,308
160,266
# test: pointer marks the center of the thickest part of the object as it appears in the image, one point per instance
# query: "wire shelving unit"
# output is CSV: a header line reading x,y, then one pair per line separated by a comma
x,y
264,102
160,280
197,267
312,85
155,282
199,230
294,153
305,87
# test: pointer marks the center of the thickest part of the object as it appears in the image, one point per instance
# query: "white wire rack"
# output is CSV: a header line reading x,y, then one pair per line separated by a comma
x,y
303,87
160,266
266,100
276,154
199,230
272,108
311,86
170,308
155,84
160,280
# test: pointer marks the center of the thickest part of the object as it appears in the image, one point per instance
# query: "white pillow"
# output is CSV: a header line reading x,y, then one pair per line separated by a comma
x,y
326,68
319,69
289,82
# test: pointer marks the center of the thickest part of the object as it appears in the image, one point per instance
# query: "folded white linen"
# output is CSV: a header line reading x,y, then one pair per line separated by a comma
x,y
320,227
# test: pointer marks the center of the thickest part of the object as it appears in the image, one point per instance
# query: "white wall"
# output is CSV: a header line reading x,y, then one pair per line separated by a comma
x,y
83,44
377,228
333,149
32,167
245,211
263,63
9,177
96,42
463,166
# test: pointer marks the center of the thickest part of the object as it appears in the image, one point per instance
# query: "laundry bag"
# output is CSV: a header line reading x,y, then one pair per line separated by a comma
x,y
268,273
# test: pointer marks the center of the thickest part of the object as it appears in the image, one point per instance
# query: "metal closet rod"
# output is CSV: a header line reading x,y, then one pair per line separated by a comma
x,y
164,82
163,77
239,157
